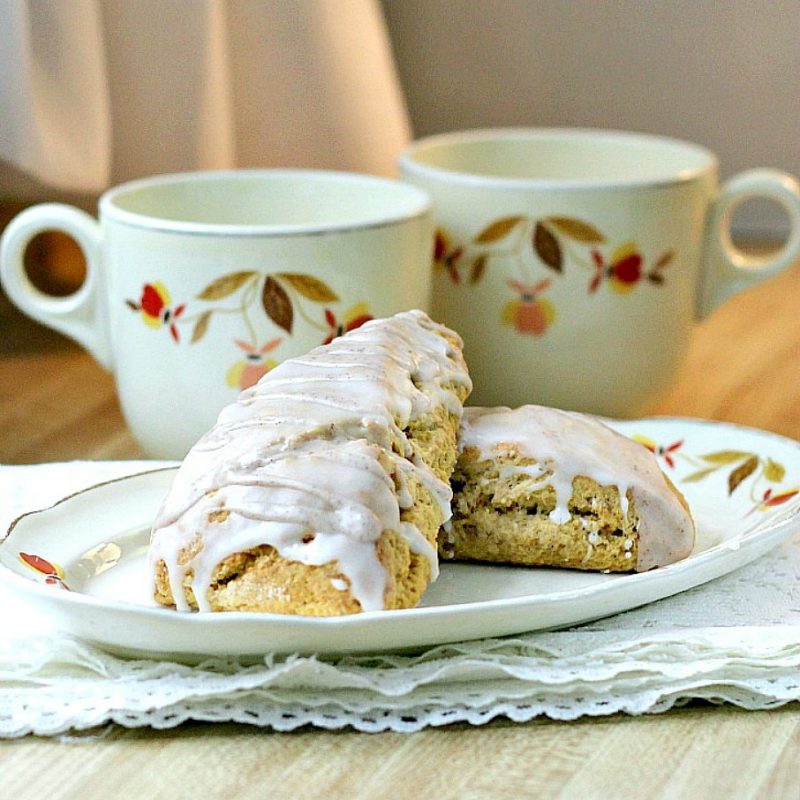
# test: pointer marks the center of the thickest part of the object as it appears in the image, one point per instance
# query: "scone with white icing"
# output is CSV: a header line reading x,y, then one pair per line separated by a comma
x,y
545,487
321,490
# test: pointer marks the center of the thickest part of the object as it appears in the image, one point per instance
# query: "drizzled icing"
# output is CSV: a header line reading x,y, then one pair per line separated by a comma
x,y
566,445
314,461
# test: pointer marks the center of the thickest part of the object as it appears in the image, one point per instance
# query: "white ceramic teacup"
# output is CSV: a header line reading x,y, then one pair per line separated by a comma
x,y
574,262
198,284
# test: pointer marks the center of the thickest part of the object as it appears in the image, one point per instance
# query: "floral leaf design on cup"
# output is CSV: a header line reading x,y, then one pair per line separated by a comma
x,y
498,229
277,304
254,366
353,318
530,314
226,285
201,326
53,573
155,306
664,260
624,269
281,296
309,287
478,268
445,256
577,229
623,272
244,282
554,236
547,247
555,242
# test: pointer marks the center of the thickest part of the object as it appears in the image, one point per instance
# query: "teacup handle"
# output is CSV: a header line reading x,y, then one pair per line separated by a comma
x,y
727,269
79,315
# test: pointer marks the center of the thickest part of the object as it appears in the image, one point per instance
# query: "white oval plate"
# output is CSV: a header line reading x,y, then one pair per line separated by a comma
x,y
83,562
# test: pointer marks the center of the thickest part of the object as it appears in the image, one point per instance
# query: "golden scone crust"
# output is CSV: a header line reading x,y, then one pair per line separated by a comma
x,y
259,579
413,452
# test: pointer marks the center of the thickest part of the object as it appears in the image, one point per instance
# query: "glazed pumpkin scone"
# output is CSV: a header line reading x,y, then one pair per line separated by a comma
x,y
321,490
545,487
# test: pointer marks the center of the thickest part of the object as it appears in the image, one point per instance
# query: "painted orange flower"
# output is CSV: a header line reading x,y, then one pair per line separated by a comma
x,y
254,366
155,306
445,256
530,314
353,318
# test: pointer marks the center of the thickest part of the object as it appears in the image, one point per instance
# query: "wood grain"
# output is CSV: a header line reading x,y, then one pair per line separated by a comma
x,y
697,752
743,366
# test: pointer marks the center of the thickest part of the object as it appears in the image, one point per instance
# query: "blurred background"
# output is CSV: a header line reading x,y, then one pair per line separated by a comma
x,y
724,73
95,92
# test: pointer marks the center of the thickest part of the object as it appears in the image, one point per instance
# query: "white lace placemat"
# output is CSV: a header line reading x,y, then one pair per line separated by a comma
x,y
734,640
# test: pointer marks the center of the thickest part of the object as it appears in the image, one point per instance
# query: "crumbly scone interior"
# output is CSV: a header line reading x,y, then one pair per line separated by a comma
x,y
321,491
502,513
544,487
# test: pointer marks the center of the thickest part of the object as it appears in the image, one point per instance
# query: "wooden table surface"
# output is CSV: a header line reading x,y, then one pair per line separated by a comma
x,y
744,366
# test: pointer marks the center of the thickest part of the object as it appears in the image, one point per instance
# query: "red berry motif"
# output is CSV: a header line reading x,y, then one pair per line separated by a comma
x,y
629,269
155,306
623,272
353,318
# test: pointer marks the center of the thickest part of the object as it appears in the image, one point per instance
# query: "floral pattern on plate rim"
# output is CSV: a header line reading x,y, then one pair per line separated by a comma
x,y
51,573
758,475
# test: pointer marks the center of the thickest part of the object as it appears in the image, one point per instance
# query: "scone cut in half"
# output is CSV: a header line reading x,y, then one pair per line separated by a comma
x,y
544,487
321,490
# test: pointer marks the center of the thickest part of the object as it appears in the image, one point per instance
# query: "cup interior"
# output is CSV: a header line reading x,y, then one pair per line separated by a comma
x,y
263,201
557,156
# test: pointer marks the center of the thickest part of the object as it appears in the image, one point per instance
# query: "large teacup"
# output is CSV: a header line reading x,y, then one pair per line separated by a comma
x,y
199,284
574,262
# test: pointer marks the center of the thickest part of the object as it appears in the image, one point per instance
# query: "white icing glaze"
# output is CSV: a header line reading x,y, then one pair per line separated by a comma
x,y
531,470
567,445
313,460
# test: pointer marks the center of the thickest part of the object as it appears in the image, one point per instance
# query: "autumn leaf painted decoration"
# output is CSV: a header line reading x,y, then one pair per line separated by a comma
x,y
761,474
283,297
52,573
155,306
554,244
353,318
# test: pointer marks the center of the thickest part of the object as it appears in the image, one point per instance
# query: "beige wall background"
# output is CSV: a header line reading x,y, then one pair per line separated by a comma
x,y
725,74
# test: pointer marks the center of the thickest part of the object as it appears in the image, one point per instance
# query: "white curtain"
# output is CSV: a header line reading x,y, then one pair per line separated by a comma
x,y
94,92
